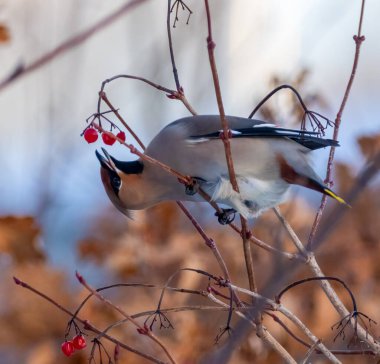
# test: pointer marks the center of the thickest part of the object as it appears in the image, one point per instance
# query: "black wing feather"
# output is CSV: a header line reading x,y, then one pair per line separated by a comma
x,y
309,139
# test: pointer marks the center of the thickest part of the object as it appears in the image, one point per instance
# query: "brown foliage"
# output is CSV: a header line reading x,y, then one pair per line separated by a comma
x,y
160,241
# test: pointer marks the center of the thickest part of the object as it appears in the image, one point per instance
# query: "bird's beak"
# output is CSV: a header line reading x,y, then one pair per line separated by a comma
x,y
106,162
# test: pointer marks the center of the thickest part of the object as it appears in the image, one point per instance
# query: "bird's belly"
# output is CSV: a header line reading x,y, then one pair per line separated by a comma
x,y
255,195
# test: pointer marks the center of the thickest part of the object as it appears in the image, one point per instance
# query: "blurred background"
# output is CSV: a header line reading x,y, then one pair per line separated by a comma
x,y
55,217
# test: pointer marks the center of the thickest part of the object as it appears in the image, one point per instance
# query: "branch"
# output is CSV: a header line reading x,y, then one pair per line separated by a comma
x,y
313,265
359,38
171,51
140,329
295,239
85,323
291,316
262,332
225,135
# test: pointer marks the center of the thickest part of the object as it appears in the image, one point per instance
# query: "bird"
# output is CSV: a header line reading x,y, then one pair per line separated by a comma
x,y
267,160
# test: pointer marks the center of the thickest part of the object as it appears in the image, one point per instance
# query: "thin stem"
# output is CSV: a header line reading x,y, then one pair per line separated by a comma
x,y
171,51
359,38
302,281
295,239
286,328
208,241
262,332
267,97
338,304
85,323
268,247
291,316
225,136
134,285
104,97
142,330
248,254
181,177
329,355
326,286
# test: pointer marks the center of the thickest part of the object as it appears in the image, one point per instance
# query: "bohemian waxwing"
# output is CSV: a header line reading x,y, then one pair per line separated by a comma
x,y
267,160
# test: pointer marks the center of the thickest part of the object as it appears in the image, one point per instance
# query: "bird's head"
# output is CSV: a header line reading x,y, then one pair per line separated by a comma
x,y
122,182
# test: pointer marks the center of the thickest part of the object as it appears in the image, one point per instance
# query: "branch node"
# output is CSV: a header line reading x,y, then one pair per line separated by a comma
x,y
210,243
79,277
359,39
210,44
227,329
19,282
343,323
163,320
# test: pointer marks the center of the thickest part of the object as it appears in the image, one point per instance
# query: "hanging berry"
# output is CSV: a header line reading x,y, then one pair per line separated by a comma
x,y
79,342
108,139
68,348
90,135
121,135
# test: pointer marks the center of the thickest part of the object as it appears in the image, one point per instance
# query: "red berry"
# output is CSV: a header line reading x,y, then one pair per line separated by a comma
x,y
108,139
68,348
90,135
121,135
79,342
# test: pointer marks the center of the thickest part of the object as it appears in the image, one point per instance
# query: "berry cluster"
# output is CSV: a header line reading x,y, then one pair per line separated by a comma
x,y
77,343
91,136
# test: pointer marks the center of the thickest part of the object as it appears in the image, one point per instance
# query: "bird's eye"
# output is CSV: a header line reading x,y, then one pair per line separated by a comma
x,y
116,182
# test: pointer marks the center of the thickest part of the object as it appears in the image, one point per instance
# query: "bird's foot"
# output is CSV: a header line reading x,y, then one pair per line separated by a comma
x,y
226,216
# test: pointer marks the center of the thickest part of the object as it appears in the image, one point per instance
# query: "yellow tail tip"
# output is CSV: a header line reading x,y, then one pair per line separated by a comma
x,y
336,197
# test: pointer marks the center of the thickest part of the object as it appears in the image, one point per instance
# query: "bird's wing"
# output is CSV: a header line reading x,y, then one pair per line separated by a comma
x,y
308,139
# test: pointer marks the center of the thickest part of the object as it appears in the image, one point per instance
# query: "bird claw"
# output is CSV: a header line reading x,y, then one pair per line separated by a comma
x,y
226,216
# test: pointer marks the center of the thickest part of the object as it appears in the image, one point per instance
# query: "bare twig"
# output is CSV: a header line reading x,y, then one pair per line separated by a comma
x,y
208,241
311,116
291,316
268,247
327,278
171,51
329,355
141,330
86,323
70,43
262,332
359,38
225,136
184,179
226,132
295,239
267,97
312,349
313,265
134,285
